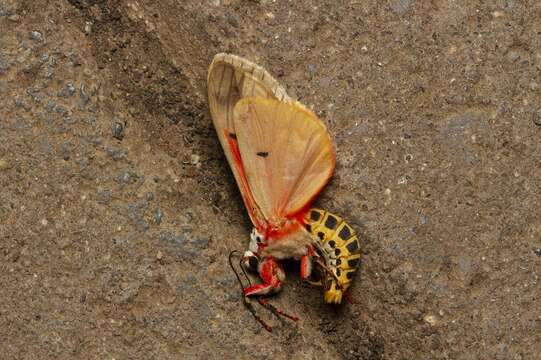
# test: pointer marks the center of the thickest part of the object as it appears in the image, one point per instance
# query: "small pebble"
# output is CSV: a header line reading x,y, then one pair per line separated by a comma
x,y
84,98
537,117
117,129
67,91
430,319
50,106
65,150
135,213
4,164
61,110
88,27
36,35
115,153
33,93
158,216
44,58
125,177
195,160
19,103
104,196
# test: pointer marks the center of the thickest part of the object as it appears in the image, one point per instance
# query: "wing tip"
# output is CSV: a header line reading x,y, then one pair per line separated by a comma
x,y
249,67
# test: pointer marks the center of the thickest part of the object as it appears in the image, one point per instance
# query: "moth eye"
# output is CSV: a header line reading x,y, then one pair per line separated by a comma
x,y
258,239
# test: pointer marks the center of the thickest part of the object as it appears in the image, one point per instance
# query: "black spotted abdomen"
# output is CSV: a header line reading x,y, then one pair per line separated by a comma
x,y
339,246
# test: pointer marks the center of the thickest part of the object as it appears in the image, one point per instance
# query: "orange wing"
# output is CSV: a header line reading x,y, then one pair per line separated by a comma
x,y
286,153
230,79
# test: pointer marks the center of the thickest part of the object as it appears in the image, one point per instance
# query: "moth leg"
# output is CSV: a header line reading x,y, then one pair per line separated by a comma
x,y
272,275
314,283
328,271
307,263
306,266
276,311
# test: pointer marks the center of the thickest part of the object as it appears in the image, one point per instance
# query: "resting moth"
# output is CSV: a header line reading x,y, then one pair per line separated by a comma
x,y
281,156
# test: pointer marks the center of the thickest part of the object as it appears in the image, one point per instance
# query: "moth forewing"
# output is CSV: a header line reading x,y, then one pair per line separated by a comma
x,y
287,154
231,78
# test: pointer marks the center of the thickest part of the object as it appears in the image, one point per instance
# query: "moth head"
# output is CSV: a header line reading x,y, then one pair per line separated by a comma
x,y
250,261
257,241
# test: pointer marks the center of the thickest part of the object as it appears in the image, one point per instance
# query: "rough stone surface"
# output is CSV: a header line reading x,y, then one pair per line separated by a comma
x,y
432,105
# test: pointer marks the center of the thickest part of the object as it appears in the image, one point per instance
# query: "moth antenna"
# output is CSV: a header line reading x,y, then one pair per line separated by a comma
x,y
244,272
234,270
245,301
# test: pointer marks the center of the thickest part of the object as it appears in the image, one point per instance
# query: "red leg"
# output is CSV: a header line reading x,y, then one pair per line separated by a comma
x,y
272,275
307,264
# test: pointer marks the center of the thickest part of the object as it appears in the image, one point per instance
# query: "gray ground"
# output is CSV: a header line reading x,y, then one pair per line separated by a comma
x,y
117,207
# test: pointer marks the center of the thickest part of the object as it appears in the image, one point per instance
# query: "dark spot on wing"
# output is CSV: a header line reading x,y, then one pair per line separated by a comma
x,y
331,222
308,227
338,272
233,136
350,274
337,252
353,246
321,235
353,262
345,233
263,154
332,243
338,262
314,215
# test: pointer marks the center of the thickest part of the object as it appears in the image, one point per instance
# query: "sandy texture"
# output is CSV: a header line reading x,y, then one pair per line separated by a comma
x,y
117,208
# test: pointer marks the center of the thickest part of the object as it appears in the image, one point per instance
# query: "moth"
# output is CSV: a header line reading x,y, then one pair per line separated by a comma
x,y
281,156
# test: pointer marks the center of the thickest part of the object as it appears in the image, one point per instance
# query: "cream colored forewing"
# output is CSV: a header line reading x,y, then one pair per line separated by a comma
x,y
231,78
286,152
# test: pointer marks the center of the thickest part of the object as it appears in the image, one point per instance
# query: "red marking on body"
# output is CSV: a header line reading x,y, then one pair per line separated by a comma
x,y
274,234
300,214
294,224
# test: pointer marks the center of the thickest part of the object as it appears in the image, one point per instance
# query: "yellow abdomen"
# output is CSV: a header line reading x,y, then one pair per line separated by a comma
x,y
339,247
